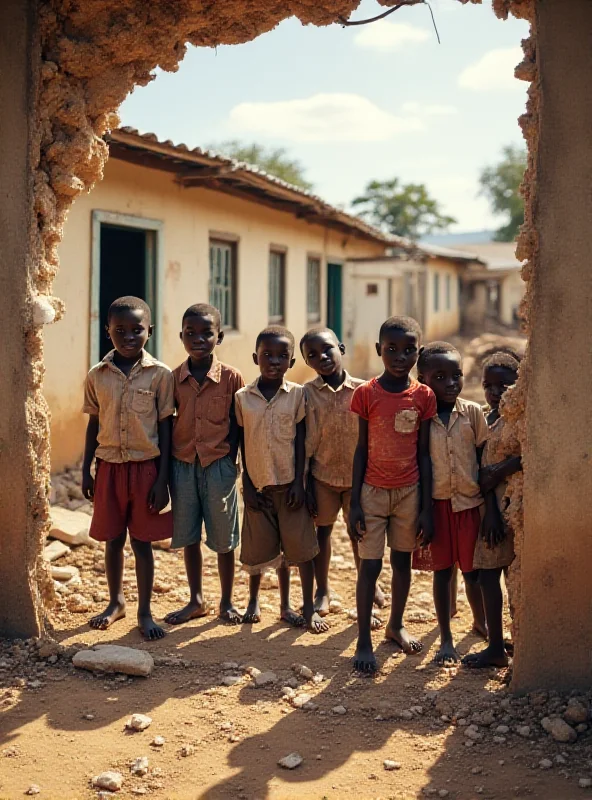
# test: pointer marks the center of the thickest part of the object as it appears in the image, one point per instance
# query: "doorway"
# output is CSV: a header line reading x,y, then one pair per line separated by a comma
x,y
335,298
126,259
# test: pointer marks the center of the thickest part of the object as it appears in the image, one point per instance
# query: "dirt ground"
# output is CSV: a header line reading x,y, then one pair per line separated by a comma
x,y
60,726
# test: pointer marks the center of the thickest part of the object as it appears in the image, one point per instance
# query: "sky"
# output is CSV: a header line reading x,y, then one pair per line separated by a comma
x,y
358,104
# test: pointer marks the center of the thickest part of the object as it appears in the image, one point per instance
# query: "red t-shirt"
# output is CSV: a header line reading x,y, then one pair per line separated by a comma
x,y
393,425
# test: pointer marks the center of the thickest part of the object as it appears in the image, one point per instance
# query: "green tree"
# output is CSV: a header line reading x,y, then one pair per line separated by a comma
x,y
401,209
500,184
275,161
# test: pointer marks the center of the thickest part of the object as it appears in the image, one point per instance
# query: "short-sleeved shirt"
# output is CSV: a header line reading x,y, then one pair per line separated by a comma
x,y
331,430
129,407
393,419
270,432
204,412
453,450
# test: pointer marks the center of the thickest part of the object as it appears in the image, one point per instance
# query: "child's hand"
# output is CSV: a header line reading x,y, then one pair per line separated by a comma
x,y
159,496
253,499
494,530
88,485
311,498
425,526
295,495
488,478
357,523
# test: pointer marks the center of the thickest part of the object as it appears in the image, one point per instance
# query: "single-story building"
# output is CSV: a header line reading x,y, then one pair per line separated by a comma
x,y
178,226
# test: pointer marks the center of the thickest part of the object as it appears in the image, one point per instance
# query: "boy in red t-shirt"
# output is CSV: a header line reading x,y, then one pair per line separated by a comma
x,y
392,480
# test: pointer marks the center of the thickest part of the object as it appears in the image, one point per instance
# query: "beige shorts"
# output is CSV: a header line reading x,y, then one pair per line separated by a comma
x,y
391,516
330,500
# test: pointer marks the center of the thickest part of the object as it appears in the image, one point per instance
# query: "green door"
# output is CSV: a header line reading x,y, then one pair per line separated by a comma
x,y
334,298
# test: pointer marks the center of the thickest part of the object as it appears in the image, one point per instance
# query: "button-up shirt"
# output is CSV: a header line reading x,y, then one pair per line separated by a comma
x,y
453,450
270,432
129,407
204,412
331,430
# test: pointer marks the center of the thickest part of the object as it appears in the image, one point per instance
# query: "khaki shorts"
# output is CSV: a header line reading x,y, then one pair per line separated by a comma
x,y
277,530
330,500
391,516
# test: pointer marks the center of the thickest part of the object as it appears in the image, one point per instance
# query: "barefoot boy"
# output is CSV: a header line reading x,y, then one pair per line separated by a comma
x,y
331,439
495,546
130,401
392,458
203,469
457,435
271,413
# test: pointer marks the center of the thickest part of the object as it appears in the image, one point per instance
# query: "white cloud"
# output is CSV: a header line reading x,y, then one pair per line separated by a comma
x,y
428,111
385,36
336,117
493,72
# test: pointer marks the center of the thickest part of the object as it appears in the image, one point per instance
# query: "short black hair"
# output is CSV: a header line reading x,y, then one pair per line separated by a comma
x,y
129,303
275,330
314,332
503,359
435,349
204,310
405,324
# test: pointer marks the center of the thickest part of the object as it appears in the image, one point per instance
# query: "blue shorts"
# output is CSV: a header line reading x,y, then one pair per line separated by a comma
x,y
205,495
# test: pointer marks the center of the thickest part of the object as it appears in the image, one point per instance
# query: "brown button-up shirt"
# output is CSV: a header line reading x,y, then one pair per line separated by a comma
x,y
129,407
270,432
204,412
331,430
453,450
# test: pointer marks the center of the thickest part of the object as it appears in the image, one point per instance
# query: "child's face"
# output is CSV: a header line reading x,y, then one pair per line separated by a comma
x,y
323,353
443,373
274,357
399,351
495,382
200,335
129,331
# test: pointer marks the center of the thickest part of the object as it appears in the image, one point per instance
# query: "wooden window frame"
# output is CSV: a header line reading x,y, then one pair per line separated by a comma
x,y
277,319
314,317
436,284
231,244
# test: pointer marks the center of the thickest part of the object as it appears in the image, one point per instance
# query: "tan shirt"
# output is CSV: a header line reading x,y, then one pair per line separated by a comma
x,y
331,430
204,412
270,431
129,407
453,450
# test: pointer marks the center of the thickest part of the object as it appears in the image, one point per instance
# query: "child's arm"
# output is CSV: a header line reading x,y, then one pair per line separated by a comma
x,y
233,437
357,520
426,518
493,530
159,494
490,477
296,490
253,499
90,448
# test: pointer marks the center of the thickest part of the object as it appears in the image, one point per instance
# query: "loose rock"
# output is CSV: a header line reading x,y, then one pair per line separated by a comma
x,y
576,712
300,700
138,722
340,710
111,781
265,679
559,729
158,741
55,550
545,763
140,766
187,750
391,765
33,789
303,671
585,783
70,527
115,658
291,761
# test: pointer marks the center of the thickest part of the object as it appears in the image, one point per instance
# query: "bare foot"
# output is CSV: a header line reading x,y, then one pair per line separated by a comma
x,y
375,621
193,610
479,630
453,611
364,660
230,614
317,625
379,598
148,628
489,657
509,647
253,613
447,654
321,604
111,614
400,636
292,618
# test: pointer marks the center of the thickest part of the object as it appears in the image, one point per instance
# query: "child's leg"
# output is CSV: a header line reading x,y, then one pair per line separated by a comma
x,y
364,658
475,598
442,584
287,613
228,611
495,653
196,607
321,569
395,630
114,561
454,592
253,612
145,579
379,598
314,622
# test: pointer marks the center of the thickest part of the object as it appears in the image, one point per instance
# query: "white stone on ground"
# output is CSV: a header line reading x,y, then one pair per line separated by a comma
x,y
140,766
291,761
65,573
55,550
138,722
110,780
70,527
115,658
559,729
391,765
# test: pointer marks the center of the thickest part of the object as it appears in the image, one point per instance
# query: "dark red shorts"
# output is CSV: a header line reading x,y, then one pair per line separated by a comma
x,y
121,503
455,537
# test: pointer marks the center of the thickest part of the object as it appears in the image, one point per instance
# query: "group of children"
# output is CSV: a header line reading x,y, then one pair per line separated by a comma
x,y
408,461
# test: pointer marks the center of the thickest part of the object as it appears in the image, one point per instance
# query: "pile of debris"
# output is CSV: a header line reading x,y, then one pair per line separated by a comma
x,y
66,491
